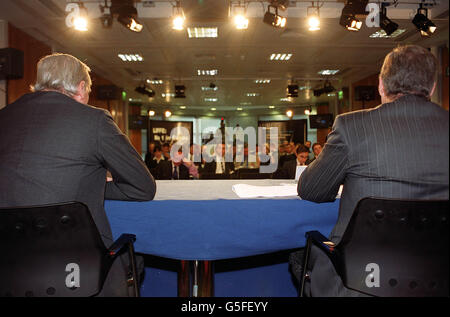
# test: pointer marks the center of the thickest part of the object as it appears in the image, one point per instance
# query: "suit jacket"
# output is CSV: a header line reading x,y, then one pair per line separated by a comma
x,y
54,149
381,152
288,170
164,170
210,168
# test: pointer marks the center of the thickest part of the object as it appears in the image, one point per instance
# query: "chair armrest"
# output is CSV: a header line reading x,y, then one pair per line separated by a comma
x,y
321,241
328,247
124,240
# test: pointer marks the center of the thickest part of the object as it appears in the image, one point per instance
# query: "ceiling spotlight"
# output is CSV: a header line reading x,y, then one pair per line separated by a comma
x,y
350,13
178,17
307,112
422,23
387,24
290,113
151,113
239,16
80,23
127,14
313,18
273,18
167,113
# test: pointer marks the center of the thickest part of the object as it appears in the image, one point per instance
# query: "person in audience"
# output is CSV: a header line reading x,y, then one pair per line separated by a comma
x,y
317,148
219,167
157,158
150,153
172,168
166,151
290,167
249,161
308,145
373,153
55,148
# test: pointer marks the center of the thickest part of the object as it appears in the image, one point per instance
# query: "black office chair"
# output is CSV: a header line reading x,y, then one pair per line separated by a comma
x,y
56,250
408,241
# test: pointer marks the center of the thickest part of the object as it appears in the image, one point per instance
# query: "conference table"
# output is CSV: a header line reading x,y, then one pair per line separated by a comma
x,y
202,221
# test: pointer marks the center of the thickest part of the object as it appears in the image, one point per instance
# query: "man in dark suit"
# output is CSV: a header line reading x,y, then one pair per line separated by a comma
x,y
172,169
290,167
219,167
381,152
55,148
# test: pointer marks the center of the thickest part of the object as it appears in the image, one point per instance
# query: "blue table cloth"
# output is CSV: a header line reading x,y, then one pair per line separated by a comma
x,y
217,229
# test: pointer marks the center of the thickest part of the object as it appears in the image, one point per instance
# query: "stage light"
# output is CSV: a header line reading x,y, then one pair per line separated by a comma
x,y
273,18
307,112
326,89
151,113
313,18
178,17
351,23
422,23
126,13
351,10
80,23
144,90
167,113
387,24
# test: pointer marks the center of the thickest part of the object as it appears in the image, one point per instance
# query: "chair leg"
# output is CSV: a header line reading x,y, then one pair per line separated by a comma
x,y
304,267
133,269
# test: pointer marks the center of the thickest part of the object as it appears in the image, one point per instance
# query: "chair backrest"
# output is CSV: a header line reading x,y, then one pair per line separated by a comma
x,y
397,248
51,250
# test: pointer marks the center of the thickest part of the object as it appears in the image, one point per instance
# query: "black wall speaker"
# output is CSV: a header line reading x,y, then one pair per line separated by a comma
x,y
109,92
366,93
11,63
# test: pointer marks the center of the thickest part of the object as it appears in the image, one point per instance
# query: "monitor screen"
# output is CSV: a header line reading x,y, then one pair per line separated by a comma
x,y
321,121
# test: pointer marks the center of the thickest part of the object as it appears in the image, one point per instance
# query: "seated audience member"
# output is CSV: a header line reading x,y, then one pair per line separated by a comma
x,y
290,167
308,145
219,166
290,154
150,153
166,150
317,148
373,153
250,160
156,159
65,148
172,168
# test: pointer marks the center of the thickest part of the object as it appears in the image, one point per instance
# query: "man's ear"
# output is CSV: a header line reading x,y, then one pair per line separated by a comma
x,y
81,96
381,89
433,89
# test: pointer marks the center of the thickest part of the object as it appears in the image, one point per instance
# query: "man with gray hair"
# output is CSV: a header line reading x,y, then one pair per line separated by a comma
x,y
55,148
375,153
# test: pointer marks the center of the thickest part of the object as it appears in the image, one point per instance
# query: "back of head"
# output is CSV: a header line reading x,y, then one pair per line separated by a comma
x,y
409,69
61,72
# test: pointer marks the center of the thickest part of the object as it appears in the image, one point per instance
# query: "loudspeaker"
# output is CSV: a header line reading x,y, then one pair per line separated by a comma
x,y
365,93
179,91
110,92
11,63
292,91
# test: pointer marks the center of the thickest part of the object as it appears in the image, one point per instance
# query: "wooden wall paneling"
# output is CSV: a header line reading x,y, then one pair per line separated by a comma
x,y
33,50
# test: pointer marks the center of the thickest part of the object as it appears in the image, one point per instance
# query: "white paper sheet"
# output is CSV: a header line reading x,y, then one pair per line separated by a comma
x,y
285,190
251,191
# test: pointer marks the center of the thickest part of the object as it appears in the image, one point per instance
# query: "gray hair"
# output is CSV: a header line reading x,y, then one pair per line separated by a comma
x,y
409,69
62,72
